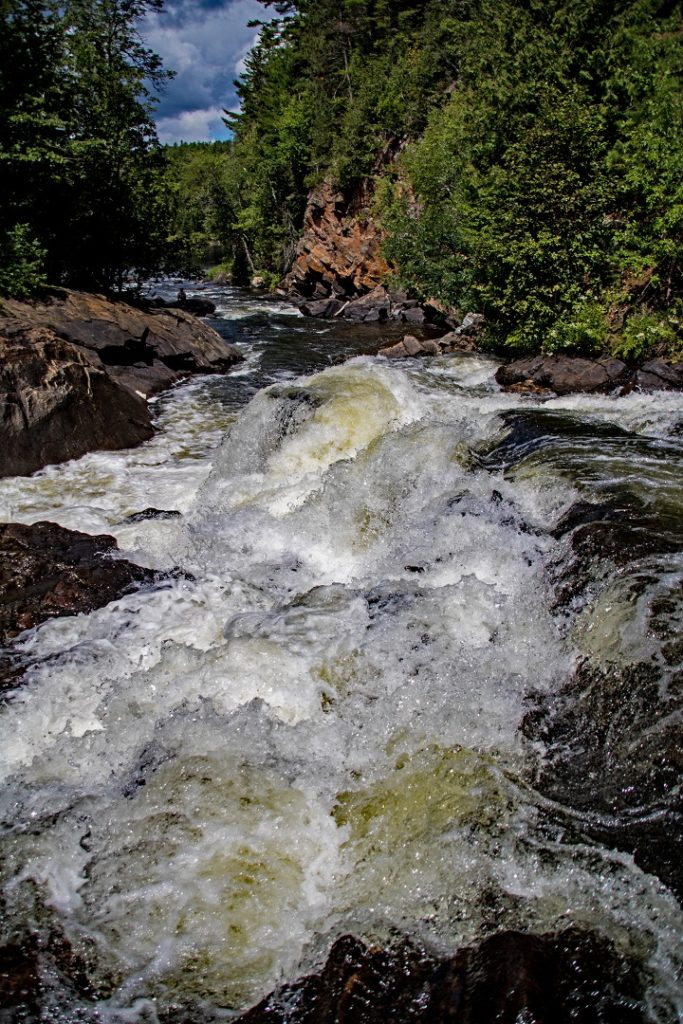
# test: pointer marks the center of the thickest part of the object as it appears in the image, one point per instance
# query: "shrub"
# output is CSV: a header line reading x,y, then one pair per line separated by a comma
x,y
584,331
644,335
21,263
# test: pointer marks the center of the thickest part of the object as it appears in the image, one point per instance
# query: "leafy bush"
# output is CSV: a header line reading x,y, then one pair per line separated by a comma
x,y
584,331
644,335
21,263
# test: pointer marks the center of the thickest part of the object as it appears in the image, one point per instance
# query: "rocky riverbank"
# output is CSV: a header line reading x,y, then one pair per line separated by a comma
x,y
77,369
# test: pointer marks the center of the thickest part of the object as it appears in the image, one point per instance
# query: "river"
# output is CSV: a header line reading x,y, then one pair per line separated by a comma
x,y
401,679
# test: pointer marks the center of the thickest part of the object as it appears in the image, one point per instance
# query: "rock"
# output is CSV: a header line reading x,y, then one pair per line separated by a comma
x,y
122,334
372,307
145,381
412,346
195,305
258,282
152,513
571,977
76,370
431,347
565,375
658,375
321,307
463,337
339,251
47,571
397,351
57,403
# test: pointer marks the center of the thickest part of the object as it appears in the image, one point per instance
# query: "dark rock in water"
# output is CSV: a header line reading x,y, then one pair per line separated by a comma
x,y
565,375
613,753
195,305
152,513
373,307
658,375
144,380
571,977
57,403
47,571
76,369
323,308
123,335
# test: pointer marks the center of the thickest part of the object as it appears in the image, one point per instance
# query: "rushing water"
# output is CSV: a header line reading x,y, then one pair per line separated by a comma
x,y
387,693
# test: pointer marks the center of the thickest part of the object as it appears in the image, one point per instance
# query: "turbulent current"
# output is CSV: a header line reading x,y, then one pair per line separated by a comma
x,y
415,670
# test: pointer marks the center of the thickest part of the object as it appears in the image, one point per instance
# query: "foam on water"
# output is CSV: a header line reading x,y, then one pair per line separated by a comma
x,y
208,781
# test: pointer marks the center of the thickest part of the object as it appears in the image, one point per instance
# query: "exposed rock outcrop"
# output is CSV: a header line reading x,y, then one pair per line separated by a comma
x,y
47,571
571,976
76,370
339,251
567,374
57,402
462,339
125,335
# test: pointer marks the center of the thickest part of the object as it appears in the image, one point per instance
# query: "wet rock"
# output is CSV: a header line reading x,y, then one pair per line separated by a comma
x,y
122,334
613,753
565,375
374,307
659,375
324,308
410,347
510,977
464,337
47,571
195,305
152,513
76,369
57,402
145,381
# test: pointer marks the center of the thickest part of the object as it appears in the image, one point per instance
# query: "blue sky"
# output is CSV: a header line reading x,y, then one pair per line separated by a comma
x,y
204,42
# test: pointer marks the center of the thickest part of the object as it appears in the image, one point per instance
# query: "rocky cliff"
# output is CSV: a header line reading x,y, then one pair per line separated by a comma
x,y
339,251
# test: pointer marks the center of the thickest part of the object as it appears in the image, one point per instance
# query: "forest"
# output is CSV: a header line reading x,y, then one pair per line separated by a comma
x,y
524,160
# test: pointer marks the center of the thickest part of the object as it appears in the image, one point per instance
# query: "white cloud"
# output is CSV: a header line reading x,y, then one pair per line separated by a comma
x,y
206,43
192,126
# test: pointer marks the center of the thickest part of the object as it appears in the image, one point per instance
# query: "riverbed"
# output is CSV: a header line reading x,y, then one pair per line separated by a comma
x,y
414,670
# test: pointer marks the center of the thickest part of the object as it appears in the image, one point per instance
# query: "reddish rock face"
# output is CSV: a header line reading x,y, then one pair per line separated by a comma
x,y
339,252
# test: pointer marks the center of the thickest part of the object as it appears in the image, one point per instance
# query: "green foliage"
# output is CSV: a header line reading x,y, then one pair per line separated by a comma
x,y
21,263
646,334
584,331
79,159
541,150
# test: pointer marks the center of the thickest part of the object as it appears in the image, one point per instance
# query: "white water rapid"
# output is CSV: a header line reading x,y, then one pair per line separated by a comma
x,y
313,728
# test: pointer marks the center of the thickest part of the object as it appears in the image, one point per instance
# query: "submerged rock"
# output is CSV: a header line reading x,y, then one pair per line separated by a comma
x,y
47,571
571,976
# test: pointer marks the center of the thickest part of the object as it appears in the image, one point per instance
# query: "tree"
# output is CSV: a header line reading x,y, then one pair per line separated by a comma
x,y
81,165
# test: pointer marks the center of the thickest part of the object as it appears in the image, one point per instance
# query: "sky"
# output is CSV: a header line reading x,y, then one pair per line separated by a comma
x,y
205,43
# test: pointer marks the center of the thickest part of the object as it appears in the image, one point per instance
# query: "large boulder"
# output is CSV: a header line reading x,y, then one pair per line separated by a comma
x,y
122,334
76,370
564,374
57,402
